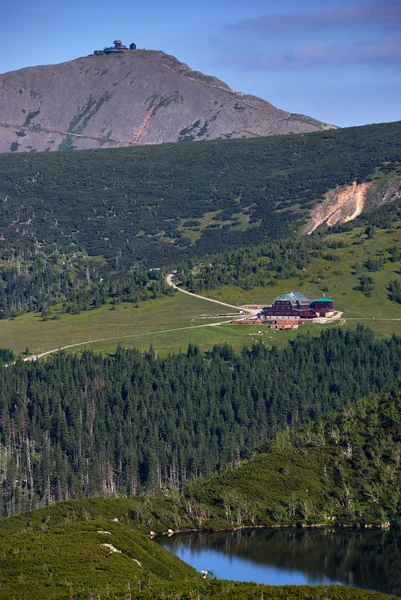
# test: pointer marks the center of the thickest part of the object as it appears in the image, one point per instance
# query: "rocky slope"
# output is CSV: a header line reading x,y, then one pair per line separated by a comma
x,y
141,97
346,203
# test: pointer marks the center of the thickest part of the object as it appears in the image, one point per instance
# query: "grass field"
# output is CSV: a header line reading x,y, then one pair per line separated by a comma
x,y
171,323
205,338
175,312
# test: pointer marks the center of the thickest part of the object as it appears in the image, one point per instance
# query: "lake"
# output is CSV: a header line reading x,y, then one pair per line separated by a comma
x,y
365,559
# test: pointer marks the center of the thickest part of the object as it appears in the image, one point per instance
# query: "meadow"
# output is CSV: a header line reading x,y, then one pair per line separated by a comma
x,y
170,324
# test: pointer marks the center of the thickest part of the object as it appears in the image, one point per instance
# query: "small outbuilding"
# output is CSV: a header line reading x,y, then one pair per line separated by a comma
x,y
324,307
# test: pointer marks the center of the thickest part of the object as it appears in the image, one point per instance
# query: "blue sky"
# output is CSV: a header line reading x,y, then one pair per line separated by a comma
x,y
335,60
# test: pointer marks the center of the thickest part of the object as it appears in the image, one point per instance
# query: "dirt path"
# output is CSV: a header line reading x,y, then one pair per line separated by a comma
x,y
121,337
370,319
169,281
323,320
56,131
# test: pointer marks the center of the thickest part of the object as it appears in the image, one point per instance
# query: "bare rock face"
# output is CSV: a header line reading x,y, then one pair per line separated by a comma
x,y
345,203
140,97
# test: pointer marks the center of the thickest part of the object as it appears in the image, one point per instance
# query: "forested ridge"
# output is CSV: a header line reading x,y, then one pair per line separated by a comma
x,y
86,425
343,468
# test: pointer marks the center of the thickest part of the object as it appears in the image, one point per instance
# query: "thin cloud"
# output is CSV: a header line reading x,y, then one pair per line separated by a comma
x,y
383,52
385,12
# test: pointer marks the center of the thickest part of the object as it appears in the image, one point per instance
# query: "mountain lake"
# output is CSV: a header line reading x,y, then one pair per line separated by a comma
x,y
368,559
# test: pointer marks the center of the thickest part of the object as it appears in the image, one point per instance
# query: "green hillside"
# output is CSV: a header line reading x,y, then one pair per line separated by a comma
x,y
162,203
83,558
357,264
90,558
343,469
81,229
333,262
213,425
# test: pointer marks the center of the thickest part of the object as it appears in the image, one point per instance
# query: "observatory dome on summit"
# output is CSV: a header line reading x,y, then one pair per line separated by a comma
x,y
118,48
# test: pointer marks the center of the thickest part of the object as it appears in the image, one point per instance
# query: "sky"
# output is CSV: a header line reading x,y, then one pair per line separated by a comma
x,y
335,60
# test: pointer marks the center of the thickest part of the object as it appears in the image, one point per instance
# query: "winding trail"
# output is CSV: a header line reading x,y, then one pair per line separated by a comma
x,y
56,131
169,281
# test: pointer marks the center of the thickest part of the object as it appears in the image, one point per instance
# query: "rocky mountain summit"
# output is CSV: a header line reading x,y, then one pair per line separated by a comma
x,y
130,98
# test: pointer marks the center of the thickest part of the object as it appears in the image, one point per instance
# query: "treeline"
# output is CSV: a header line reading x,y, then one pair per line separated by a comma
x,y
75,282
261,265
131,203
88,425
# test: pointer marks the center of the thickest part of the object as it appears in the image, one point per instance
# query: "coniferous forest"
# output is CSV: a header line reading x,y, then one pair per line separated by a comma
x,y
87,425
75,284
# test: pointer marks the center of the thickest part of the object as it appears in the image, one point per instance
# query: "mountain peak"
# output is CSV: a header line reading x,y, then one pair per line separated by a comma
x,y
123,96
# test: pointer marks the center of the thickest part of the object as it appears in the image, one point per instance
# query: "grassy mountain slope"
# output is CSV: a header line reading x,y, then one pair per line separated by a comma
x,y
336,263
161,204
79,559
141,97
71,237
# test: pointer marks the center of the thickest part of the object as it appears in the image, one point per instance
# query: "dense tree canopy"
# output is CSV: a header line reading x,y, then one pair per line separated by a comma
x,y
87,425
141,203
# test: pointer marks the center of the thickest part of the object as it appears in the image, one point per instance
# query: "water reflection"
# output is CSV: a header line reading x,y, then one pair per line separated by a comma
x,y
366,559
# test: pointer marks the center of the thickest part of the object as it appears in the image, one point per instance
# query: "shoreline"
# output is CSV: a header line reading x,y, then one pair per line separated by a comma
x,y
386,527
